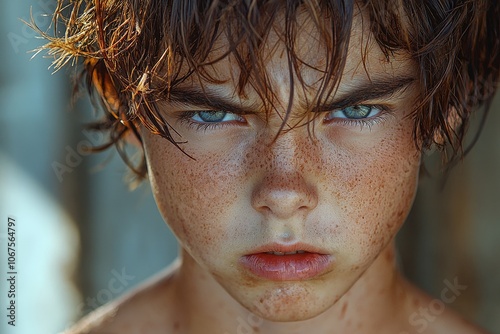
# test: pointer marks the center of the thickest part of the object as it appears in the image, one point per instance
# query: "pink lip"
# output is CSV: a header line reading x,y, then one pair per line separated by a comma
x,y
301,266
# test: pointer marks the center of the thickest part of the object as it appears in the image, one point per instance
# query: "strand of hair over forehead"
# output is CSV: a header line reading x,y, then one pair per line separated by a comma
x,y
187,37
148,47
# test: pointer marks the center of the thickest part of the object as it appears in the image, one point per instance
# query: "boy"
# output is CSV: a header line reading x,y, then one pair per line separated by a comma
x,y
283,142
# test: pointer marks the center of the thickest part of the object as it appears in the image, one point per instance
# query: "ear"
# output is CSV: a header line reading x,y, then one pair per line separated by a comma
x,y
452,123
101,81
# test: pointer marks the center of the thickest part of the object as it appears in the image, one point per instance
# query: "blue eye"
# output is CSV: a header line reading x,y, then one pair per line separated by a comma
x,y
214,116
354,112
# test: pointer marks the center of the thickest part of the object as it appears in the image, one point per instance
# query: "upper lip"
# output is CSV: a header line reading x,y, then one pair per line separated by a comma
x,y
287,248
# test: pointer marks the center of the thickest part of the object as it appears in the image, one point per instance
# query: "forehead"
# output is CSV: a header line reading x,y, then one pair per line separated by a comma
x,y
269,70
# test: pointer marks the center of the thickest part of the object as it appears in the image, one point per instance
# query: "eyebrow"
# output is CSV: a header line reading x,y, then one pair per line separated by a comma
x,y
197,97
371,90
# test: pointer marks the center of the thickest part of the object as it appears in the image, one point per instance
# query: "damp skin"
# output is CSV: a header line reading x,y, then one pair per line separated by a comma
x,y
346,191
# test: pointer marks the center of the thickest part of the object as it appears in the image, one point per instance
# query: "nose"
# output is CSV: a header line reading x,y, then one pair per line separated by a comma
x,y
284,196
285,190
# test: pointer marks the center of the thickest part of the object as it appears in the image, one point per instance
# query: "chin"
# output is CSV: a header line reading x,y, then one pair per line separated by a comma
x,y
288,303
291,315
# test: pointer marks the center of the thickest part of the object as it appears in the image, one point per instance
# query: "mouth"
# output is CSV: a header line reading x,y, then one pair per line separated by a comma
x,y
286,253
287,263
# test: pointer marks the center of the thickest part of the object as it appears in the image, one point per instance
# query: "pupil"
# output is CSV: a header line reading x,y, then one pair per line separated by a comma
x,y
212,116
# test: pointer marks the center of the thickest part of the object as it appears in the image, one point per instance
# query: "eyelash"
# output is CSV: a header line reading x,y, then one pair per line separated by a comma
x,y
186,119
384,112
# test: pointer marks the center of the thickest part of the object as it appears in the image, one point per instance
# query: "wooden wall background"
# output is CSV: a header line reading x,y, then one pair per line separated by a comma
x,y
455,232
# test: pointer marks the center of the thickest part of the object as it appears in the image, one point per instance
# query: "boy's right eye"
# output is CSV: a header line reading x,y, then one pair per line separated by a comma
x,y
215,116
210,119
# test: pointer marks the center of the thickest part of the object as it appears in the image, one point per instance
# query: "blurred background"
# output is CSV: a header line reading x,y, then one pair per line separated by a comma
x,y
84,239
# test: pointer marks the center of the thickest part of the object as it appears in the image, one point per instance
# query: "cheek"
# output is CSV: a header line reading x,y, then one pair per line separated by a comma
x,y
195,196
373,188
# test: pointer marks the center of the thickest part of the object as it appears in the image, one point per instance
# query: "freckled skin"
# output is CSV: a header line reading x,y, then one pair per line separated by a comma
x,y
343,198
347,190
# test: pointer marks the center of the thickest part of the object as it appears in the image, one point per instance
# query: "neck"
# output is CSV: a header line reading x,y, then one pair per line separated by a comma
x,y
371,305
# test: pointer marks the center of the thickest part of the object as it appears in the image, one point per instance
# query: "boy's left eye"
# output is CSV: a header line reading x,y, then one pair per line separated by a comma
x,y
215,116
354,112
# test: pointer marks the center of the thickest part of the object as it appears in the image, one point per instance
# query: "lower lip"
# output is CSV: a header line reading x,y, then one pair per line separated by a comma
x,y
287,267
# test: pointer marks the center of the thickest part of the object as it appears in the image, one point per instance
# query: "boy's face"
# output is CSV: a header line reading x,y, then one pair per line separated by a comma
x,y
340,194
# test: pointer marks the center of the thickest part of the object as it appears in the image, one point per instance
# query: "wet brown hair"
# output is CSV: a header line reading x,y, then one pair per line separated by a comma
x,y
137,51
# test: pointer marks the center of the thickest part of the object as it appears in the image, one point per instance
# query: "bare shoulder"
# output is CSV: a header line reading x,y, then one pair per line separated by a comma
x,y
430,315
143,310
451,322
